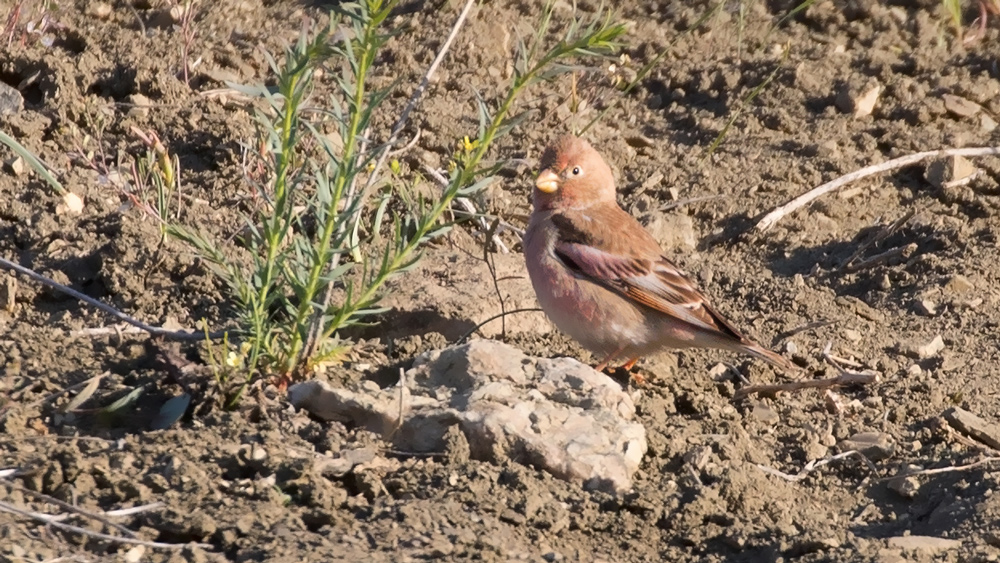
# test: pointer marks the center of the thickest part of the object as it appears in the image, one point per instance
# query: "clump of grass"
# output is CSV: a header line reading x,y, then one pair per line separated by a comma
x,y
953,10
326,241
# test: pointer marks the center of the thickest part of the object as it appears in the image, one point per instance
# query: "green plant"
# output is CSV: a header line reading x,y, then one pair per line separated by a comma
x,y
318,271
953,9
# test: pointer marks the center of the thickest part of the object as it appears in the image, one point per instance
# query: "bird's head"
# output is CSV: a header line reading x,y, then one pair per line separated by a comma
x,y
573,175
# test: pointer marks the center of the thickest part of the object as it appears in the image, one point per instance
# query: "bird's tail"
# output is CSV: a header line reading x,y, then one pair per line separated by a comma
x,y
769,356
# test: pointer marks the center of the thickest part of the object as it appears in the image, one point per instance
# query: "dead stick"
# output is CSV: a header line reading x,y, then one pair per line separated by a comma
x,y
816,464
72,508
154,330
116,539
415,98
948,469
900,252
773,217
882,235
846,378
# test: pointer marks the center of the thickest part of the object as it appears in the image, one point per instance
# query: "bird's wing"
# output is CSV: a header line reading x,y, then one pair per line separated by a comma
x,y
657,284
608,247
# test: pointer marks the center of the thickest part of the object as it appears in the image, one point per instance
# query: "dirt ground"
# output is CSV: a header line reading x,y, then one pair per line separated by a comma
x,y
251,483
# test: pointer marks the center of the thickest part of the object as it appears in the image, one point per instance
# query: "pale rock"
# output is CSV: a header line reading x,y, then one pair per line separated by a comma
x,y
928,544
924,351
14,165
100,10
140,105
959,284
905,483
876,446
944,171
987,123
959,106
926,307
11,100
859,101
556,414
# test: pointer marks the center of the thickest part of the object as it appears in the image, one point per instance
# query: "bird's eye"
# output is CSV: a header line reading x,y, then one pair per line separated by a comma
x,y
576,171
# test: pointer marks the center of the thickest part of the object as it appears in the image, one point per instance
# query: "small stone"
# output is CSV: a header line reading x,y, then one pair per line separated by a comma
x,y
135,554
859,101
959,284
924,351
14,165
71,203
974,426
177,12
924,543
140,105
905,484
944,171
852,335
11,100
512,517
765,414
791,347
100,10
959,106
926,307
986,123
876,446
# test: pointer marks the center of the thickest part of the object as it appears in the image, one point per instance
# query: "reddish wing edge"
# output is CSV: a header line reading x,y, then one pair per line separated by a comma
x,y
660,286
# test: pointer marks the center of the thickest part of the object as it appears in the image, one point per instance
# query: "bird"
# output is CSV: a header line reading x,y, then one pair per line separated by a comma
x,y
602,279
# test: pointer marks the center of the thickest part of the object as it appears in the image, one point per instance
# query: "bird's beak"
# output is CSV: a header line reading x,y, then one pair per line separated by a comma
x,y
547,181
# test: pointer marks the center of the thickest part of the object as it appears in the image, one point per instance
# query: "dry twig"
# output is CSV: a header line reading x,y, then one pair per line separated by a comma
x,y
948,469
846,377
773,217
45,519
154,330
415,97
816,464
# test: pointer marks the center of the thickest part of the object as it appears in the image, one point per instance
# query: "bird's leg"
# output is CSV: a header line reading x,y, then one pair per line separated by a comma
x,y
612,356
635,377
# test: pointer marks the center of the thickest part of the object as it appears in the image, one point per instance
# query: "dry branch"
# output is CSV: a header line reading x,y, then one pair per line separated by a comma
x,y
816,464
846,378
45,519
773,217
154,330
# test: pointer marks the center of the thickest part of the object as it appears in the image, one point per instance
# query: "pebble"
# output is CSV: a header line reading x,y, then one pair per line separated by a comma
x,y
959,284
924,351
959,106
100,10
14,165
140,105
905,484
987,123
941,172
974,426
11,101
926,307
876,446
859,101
